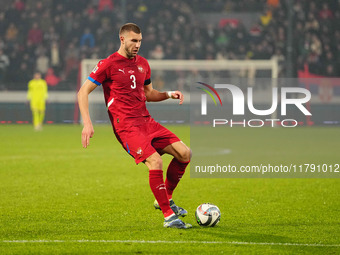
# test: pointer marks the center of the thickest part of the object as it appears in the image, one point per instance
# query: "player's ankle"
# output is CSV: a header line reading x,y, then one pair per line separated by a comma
x,y
168,213
168,217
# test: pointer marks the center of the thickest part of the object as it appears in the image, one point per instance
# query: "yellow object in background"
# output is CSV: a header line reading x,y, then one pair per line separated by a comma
x,y
37,94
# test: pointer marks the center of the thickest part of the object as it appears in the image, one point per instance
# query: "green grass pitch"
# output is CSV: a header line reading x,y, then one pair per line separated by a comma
x,y
58,198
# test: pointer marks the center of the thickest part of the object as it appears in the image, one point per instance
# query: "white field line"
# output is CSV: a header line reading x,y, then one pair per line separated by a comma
x,y
171,242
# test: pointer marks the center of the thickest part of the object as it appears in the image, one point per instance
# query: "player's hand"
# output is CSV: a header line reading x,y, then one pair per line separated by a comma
x,y
178,95
86,134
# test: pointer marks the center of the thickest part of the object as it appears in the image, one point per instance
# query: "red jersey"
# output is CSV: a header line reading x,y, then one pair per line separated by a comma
x,y
123,83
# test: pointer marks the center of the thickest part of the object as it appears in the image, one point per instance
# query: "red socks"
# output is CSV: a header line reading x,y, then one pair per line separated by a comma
x,y
159,191
174,174
163,191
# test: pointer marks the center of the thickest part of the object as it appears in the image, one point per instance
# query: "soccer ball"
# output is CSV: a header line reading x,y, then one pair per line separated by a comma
x,y
207,215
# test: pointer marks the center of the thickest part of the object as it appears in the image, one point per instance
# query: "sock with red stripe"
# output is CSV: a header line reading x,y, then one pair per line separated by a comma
x,y
174,174
159,191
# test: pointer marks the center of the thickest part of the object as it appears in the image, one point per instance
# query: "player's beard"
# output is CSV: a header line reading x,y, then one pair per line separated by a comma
x,y
129,53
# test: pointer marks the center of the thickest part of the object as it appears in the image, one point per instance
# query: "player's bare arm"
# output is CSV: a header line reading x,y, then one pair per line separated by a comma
x,y
83,101
153,95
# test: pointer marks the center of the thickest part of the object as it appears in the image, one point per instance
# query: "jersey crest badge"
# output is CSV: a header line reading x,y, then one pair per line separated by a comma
x,y
140,69
139,152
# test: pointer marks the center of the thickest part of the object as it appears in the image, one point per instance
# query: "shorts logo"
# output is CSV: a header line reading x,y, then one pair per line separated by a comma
x,y
139,152
140,69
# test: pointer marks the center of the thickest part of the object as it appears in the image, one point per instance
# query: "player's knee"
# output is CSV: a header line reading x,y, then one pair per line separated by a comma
x,y
185,154
155,162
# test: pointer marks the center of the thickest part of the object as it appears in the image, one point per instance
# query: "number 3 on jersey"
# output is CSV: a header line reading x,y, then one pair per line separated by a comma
x,y
133,78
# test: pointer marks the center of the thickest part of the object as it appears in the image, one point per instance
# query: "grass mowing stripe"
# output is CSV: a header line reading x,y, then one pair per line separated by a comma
x,y
170,242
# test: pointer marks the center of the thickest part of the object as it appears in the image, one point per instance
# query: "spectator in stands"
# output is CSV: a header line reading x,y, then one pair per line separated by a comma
x,y
312,24
12,14
329,61
266,17
316,46
46,21
35,35
19,5
40,50
55,56
24,72
3,23
157,53
4,63
273,3
2,44
325,13
87,39
12,33
51,79
330,71
30,61
58,25
105,5
67,26
72,55
51,36
42,64
312,8
222,40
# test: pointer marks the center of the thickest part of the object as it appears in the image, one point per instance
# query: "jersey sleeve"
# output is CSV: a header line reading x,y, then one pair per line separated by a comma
x,y
100,73
148,74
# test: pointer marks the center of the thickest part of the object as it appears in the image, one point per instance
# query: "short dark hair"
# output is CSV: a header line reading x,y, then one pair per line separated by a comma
x,y
130,27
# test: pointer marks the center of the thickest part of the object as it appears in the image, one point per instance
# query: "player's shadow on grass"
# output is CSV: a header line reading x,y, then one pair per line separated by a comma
x,y
228,233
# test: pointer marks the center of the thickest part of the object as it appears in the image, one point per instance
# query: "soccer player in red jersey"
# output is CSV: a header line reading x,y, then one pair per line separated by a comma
x,y
126,80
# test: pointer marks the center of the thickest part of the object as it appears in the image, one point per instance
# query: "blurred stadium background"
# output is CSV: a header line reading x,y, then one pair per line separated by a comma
x,y
54,36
